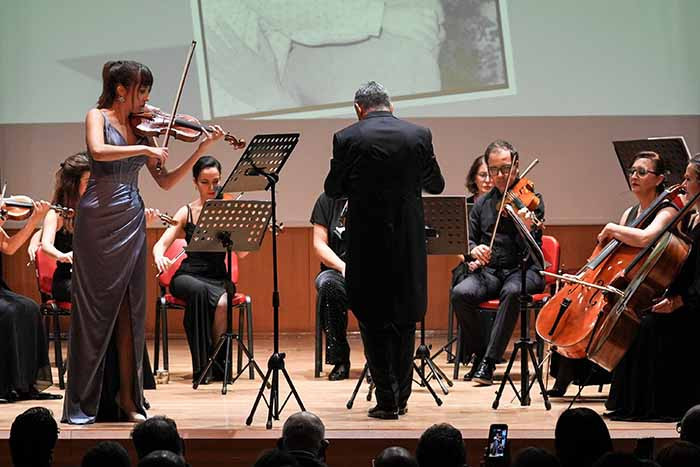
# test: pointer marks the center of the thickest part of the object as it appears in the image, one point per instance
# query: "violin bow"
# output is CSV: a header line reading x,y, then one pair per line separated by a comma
x,y
514,161
178,95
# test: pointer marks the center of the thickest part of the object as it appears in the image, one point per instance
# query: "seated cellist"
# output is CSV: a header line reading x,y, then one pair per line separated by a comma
x,y
646,180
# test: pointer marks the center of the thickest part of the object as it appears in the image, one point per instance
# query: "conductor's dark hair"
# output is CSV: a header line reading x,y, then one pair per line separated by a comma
x,y
372,95
128,73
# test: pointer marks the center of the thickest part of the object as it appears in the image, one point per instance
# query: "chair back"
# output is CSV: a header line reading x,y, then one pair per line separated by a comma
x,y
234,267
172,251
551,251
175,248
44,266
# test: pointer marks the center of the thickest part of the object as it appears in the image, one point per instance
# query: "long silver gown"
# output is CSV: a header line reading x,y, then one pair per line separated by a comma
x,y
109,267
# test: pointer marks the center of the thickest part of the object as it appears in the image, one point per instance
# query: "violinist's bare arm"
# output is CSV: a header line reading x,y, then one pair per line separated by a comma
x,y
9,245
167,179
636,237
167,239
94,136
52,223
34,245
324,252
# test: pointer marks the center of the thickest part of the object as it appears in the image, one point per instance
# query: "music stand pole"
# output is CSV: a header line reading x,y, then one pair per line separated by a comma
x,y
524,345
275,364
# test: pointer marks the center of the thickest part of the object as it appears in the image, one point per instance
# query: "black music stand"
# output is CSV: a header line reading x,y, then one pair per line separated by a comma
x,y
524,345
447,233
672,149
258,170
222,225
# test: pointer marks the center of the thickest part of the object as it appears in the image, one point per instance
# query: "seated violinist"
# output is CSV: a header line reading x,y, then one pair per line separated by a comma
x,y
57,233
24,358
200,280
499,275
656,379
646,179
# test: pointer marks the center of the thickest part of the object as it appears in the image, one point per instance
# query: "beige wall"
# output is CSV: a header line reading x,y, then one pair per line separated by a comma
x,y
578,173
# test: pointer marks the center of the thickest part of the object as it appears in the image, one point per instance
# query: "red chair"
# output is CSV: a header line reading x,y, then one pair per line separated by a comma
x,y
167,301
552,252
51,309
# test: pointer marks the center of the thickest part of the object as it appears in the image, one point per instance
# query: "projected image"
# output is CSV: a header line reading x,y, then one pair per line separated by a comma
x,y
279,56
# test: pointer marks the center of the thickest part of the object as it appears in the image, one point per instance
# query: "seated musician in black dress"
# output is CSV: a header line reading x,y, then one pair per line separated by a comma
x,y
499,276
657,380
200,280
646,177
57,232
330,246
24,358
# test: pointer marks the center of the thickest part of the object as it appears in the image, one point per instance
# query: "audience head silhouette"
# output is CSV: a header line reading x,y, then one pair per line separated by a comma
x,y
395,456
535,457
441,446
156,433
621,459
679,454
276,458
304,432
690,425
162,458
581,437
106,454
33,436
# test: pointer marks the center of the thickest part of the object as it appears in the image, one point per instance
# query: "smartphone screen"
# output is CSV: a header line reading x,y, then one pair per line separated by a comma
x,y
498,434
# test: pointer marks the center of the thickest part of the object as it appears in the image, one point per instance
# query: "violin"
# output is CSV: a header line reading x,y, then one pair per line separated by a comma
x,y
153,122
522,195
21,207
167,219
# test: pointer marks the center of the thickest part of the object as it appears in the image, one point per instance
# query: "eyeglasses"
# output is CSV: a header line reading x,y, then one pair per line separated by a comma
x,y
504,170
641,171
483,174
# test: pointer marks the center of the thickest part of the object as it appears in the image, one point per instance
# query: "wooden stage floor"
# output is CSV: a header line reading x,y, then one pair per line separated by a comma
x,y
213,424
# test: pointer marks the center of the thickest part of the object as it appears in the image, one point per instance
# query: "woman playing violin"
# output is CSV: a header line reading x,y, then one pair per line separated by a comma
x,y
109,255
200,280
24,359
57,232
646,179
656,379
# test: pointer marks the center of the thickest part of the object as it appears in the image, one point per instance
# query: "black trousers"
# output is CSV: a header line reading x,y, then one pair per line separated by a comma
x,y
487,284
389,353
333,300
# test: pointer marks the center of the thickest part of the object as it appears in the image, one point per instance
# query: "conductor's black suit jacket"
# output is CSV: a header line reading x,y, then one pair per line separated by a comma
x,y
382,164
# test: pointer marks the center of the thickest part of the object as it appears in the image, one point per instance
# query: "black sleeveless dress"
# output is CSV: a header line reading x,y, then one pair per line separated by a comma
x,y
24,356
200,282
61,286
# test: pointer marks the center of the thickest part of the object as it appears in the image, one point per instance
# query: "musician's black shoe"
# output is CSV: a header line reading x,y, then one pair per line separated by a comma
x,y
403,410
384,413
340,371
475,366
484,375
556,391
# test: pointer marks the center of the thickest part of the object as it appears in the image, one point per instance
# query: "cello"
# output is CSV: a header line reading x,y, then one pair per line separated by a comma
x,y
661,262
571,318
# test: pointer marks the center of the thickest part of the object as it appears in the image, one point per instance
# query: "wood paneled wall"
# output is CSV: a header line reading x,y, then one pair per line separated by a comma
x,y
297,270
